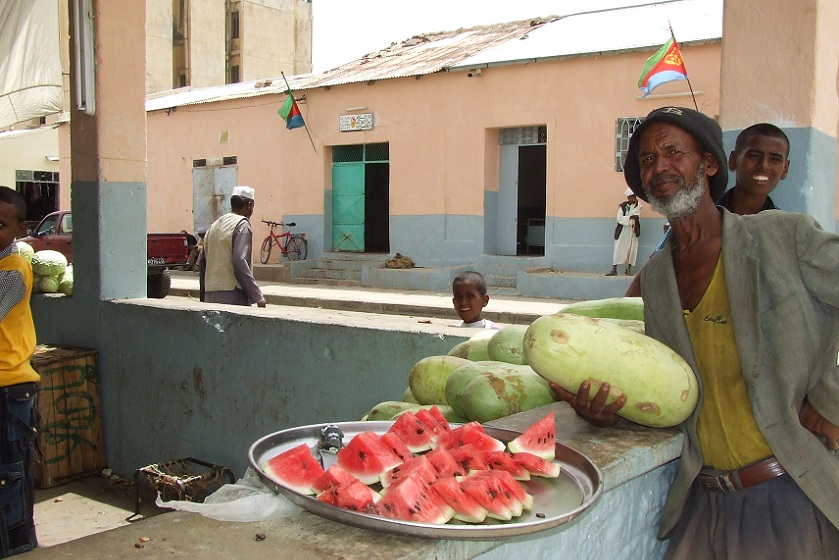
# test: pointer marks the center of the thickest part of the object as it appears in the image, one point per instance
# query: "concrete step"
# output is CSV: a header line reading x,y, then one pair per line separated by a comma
x,y
329,274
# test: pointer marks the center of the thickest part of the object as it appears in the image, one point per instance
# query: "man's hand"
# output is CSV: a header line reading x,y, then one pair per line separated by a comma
x,y
819,425
594,411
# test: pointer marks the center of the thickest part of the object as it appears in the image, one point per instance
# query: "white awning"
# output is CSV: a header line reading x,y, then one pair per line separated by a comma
x,y
30,61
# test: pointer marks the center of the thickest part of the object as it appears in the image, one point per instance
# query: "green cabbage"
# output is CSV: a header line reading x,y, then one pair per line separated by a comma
x,y
25,250
48,284
65,285
49,263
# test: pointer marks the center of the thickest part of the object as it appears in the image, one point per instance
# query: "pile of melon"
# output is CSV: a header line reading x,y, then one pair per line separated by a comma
x,y
497,373
424,470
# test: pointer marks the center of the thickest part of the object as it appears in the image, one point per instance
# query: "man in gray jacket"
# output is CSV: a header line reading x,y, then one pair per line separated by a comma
x,y
752,304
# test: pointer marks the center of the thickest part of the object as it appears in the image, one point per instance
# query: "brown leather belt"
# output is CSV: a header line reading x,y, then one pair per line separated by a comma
x,y
729,482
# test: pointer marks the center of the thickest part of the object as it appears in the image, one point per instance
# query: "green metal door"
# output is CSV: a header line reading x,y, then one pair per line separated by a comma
x,y
348,207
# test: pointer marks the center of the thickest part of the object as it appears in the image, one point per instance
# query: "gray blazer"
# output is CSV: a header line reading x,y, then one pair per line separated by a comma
x,y
782,277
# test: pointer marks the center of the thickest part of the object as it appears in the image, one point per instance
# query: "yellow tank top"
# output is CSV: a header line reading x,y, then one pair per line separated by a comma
x,y
728,434
17,331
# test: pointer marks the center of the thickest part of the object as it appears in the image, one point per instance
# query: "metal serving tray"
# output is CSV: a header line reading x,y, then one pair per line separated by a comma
x,y
556,500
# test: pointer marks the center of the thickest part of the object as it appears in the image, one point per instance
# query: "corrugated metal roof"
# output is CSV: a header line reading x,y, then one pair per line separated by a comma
x,y
615,30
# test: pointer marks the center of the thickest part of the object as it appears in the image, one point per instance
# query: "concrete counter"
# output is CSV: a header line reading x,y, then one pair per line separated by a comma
x,y
637,465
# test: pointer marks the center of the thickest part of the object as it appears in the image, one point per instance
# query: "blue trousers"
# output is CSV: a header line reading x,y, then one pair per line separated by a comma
x,y
18,421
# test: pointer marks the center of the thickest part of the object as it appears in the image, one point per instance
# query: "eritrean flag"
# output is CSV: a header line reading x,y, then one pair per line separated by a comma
x,y
664,66
290,113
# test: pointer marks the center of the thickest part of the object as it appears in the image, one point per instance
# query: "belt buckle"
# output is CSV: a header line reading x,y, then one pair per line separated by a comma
x,y
718,483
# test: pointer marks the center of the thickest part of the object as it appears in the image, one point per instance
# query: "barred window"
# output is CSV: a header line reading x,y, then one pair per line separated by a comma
x,y
624,127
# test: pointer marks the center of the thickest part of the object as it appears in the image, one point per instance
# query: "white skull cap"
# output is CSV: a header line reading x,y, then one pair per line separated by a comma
x,y
627,192
243,191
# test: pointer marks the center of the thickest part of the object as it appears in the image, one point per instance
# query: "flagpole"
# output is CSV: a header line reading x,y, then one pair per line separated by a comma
x,y
305,125
687,77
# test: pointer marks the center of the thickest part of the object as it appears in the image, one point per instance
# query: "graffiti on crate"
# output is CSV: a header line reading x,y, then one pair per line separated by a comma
x,y
75,410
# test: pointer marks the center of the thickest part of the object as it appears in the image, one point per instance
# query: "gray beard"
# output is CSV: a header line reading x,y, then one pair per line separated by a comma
x,y
685,202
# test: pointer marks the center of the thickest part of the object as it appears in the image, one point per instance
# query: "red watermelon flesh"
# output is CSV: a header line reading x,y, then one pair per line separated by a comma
x,y
469,458
539,439
488,492
413,500
444,463
397,446
413,432
511,485
297,468
503,461
473,434
466,508
418,466
438,415
424,416
366,457
334,476
355,496
537,465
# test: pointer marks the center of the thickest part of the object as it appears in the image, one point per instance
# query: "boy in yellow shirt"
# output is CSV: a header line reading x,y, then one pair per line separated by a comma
x,y
18,382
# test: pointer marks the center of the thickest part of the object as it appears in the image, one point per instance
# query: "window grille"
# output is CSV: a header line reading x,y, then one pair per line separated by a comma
x,y
230,160
523,136
624,127
199,163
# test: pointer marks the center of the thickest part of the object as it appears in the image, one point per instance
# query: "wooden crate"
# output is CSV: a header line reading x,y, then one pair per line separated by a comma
x,y
70,432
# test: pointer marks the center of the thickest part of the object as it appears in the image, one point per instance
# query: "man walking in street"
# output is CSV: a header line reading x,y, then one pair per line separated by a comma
x,y
224,265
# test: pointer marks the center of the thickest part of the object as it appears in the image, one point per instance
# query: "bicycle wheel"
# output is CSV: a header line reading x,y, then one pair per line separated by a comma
x,y
265,253
297,248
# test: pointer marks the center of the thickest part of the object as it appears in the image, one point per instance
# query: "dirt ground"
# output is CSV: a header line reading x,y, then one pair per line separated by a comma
x,y
87,506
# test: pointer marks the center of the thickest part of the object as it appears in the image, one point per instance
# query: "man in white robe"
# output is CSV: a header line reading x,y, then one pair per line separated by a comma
x,y
626,234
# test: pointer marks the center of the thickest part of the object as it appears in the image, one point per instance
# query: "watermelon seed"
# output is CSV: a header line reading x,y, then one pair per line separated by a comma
x,y
260,536
540,515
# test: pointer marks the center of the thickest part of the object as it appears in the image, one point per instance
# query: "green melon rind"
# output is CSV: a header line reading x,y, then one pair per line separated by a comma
x,y
387,409
504,389
612,308
474,349
427,379
568,349
507,345
458,380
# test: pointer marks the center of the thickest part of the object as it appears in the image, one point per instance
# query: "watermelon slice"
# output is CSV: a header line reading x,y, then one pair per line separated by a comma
x,y
466,508
539,439
472,433
418,466
297,468
537,465
354,495
444,463
424,416
440,417
501,460
511,485
469,458
413,500
366,457
334,476
413,432
487,491
397,446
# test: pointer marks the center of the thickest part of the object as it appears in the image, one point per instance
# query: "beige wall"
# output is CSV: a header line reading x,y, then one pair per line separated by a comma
x,y
27,150
158,45
207,48
276,37
443,146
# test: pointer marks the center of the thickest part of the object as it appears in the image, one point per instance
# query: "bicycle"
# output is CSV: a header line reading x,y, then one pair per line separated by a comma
x,y
293,246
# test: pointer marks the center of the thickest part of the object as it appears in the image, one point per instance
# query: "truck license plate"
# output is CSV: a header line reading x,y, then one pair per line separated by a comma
x,y
157,260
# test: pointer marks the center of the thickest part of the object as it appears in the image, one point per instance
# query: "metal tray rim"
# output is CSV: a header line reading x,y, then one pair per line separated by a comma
x,y
591,491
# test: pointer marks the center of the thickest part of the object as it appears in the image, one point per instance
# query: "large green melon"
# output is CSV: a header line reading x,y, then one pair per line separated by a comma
x,y
507,345
568,349
475,348
458,380
503,389
427,379
613,308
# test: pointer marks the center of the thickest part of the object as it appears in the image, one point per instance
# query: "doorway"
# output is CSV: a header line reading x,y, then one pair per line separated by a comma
x,y
520,223
361,198
212,185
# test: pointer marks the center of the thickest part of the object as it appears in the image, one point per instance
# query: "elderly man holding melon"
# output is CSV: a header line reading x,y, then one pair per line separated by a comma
x,y
751,303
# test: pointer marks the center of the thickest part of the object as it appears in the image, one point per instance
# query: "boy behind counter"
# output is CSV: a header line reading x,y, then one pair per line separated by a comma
x,y
469,296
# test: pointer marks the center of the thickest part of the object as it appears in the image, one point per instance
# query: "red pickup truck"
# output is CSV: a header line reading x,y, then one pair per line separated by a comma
x,y
165,250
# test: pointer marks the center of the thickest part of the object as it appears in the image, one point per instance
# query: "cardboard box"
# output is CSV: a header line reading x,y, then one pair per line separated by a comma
x,y
70,432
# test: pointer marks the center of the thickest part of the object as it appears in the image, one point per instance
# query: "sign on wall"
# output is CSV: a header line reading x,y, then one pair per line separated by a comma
x,y
350,123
